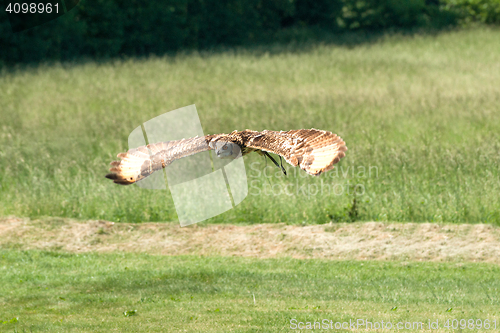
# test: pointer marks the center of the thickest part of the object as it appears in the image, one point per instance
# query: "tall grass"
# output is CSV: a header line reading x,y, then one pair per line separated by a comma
x,y
420,116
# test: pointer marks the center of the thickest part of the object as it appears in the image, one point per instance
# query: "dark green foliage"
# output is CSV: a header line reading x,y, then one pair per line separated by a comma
x,y
484,11
233,22
376,14
110,28
320,13
152,27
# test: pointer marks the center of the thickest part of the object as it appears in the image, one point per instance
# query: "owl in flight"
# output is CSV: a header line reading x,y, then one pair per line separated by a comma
x,y
315,151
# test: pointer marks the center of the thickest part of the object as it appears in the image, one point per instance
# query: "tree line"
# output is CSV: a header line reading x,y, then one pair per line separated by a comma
x,y
113,28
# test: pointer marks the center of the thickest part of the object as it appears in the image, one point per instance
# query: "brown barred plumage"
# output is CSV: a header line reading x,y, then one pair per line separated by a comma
x,y
314,151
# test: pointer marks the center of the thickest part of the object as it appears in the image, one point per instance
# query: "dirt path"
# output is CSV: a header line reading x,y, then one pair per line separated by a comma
x,y
369,240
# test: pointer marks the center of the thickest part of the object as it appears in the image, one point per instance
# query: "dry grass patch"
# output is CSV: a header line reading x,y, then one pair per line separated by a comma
x,y
362,241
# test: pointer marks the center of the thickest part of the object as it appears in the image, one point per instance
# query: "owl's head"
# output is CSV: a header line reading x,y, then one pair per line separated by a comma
x,y
225,149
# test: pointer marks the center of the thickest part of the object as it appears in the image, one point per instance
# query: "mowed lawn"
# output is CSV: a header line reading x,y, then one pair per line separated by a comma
x,y
43,291
420,116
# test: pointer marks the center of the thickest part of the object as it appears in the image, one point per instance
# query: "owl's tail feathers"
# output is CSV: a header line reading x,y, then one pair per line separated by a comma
x,y
134,165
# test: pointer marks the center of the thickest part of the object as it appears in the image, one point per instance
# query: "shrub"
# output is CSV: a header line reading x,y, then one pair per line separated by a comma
x,y
484,11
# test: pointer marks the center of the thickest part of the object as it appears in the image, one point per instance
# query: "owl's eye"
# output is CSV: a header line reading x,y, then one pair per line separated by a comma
x,y
225,147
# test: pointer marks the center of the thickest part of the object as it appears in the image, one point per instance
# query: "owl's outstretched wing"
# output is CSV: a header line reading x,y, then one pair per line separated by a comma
x,y
315,151
136,164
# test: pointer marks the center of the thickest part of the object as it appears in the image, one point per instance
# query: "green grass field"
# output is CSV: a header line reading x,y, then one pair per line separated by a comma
x,y
420,116
51,291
